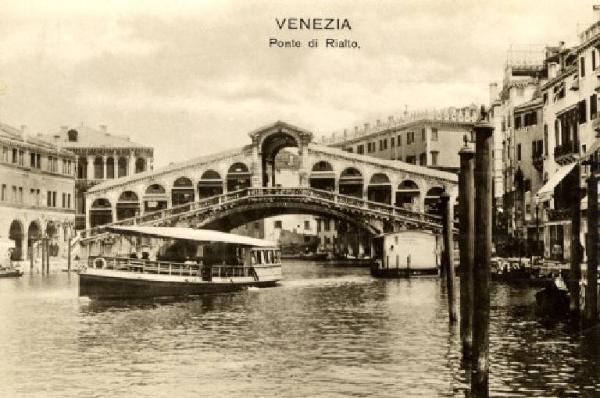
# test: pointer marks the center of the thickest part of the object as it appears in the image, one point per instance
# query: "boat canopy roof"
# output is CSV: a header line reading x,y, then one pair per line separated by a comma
x,y
190,234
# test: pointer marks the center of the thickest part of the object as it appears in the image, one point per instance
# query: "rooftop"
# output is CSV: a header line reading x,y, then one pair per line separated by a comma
x,y
19,135
87,137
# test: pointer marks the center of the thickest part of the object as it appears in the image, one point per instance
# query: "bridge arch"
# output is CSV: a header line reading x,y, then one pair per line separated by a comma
x,y
380,188
408,195
155,197
351,182
322,176
238,177
182,191
128,205
100,212
210,184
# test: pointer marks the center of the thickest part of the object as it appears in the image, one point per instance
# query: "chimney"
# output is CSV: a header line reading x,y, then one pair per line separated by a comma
x,y
355,130
104,128
23,130
366,127
493,92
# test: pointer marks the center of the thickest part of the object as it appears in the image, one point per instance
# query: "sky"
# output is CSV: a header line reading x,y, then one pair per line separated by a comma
x,y
195,77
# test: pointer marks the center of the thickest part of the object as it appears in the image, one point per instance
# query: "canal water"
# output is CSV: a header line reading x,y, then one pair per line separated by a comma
x,y
326,331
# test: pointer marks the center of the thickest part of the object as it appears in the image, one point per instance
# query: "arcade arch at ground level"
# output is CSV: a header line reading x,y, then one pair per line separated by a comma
x,y
29,227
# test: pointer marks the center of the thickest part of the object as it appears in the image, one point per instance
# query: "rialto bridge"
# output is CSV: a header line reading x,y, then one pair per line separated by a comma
x,y
228,189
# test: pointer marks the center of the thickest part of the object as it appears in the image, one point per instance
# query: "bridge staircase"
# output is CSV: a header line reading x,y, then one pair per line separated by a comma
x,y
205,209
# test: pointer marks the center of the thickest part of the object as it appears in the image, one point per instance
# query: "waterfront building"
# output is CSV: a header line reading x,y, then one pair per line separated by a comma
x,y
430,138
37,194
515,112
102,156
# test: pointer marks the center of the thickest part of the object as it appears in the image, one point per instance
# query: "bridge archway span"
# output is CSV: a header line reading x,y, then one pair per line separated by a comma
x,y
380,188
234,217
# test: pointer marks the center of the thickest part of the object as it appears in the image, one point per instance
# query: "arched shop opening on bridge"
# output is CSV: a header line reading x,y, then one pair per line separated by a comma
x,y
380,189
432,201
100,212
34,234
16,234
98,168
322,176
182,191
407,195
210,184
238,177
52,235
122,167
269,149
351,182
110,167
155,198
128,205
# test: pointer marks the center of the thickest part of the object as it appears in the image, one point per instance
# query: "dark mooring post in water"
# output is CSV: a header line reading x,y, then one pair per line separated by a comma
x,y
483,251
576,248
448,253
591,294
466,201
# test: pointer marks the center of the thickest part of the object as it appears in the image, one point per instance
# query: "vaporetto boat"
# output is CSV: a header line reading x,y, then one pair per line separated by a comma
x,y
229,263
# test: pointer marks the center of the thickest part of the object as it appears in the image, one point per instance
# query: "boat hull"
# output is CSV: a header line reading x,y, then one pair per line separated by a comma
x,y
12,273
97,286
402,272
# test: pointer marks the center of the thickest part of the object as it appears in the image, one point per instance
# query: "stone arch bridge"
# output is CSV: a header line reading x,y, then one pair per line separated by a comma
x,y
227,189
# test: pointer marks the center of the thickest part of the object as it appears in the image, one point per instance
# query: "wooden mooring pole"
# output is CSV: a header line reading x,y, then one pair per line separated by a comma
x,y
447,254
70,241
483,251
44,248
466,201
591,294
576,248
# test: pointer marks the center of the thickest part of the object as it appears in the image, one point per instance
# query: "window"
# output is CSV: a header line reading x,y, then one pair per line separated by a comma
x,y
326,225
32,158
20,194
423,135
392,142
434,134
593,59
360,149
434,158
519,152
68,201
593,106
306,224
582,66
582,112
546,139
64,200
423,159
278,224
3,194
517,122
53,199
49,199
15,155
14,193
399,140
385,143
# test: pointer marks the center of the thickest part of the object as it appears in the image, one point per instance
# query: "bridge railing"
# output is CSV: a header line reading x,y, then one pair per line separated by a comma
x,y
306,192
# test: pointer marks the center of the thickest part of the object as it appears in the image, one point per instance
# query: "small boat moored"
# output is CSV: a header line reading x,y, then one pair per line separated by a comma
x,y
228,263
553,300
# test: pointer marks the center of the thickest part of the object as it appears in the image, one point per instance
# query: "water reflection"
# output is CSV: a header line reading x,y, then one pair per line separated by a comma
x,y
325,331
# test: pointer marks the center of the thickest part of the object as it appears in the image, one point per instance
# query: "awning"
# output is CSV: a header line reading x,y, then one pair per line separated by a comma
x,y
196,235
545,193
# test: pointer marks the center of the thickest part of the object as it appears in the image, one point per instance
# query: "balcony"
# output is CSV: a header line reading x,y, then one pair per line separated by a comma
x,y
567,152
538,161
558,214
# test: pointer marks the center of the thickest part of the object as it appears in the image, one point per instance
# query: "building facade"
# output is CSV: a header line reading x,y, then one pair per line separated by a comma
x,y
37,194
101,156
430,139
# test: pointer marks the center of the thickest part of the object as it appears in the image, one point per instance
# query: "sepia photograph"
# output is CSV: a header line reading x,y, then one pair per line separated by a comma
x,y
344,198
